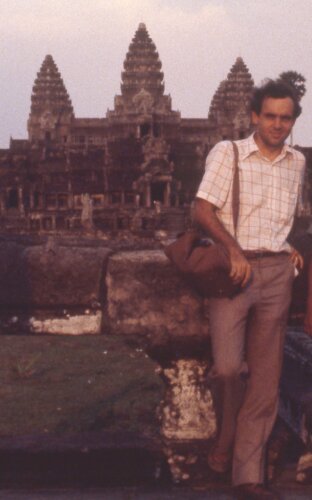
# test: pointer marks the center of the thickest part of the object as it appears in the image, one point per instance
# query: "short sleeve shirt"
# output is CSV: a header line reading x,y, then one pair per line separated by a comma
x,y
270,192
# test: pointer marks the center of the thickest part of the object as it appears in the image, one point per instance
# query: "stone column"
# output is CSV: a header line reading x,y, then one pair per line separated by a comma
x,y
31,200
70,200
21,207
148,195
187,410
167,194
2,203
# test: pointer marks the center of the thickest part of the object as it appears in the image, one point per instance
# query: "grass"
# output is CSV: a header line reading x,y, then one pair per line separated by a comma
x,y
64,384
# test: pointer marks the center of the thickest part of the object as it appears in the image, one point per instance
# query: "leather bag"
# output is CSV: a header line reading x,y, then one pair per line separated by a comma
x,y
206,265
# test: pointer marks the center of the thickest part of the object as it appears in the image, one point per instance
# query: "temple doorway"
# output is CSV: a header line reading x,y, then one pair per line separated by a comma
x,y
158,191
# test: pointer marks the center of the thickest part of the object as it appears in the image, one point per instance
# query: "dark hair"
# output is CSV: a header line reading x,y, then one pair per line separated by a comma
x,y
278,89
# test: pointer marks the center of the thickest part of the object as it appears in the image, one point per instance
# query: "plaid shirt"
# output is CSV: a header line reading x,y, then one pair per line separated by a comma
x,y
270,192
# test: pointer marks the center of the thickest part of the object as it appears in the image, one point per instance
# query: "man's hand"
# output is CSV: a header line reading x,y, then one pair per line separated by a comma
x,y
240,267
297,259
204,214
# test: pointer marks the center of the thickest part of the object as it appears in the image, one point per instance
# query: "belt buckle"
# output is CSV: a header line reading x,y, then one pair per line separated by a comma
x,y
261,254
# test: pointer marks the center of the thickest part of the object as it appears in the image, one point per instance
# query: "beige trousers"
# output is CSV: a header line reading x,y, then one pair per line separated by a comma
x,y
247,334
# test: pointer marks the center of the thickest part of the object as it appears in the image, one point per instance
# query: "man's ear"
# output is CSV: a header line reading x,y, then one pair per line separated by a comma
x,y
254,118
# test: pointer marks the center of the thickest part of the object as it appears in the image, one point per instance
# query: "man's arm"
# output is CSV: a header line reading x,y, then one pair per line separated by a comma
x,y
205,216
308,314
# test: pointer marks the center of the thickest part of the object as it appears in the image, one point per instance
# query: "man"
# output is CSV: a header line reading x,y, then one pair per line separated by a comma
x,y
247,331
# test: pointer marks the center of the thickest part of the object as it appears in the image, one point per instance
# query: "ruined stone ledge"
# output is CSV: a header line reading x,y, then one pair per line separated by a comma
x,y
79,290
146,297
49,275
97,459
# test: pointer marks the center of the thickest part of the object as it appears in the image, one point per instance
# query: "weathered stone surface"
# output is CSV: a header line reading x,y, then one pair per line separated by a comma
x,y
187,411
52,321
88,322
145,296
50,275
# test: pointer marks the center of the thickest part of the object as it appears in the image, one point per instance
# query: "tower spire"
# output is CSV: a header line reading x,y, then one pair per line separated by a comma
x,y
229,109
51,109
142,66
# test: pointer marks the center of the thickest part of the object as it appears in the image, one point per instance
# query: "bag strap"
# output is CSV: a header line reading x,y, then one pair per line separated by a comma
x,y
235,188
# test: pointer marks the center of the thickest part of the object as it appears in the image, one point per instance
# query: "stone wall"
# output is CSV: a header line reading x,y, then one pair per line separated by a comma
x,y
51,288
55,289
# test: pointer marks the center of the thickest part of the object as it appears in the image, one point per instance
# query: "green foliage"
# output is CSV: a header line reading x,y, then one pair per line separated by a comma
x,y
295,80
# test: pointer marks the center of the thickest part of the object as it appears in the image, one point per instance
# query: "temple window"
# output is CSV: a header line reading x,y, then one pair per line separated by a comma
x,y
122,223
145,129
62,200
129,198
77,201
116,197
26,200
47,223
12,199
148,223
35,224
97,139
156,130
97,200
105,224
60,223
37,200
75,223
95,176
182,198
50,201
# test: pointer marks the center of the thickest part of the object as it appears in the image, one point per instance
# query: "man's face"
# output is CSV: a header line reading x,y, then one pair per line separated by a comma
x,y
275,121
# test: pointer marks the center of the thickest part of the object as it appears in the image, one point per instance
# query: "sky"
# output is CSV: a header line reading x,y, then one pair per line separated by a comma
x,y
198,41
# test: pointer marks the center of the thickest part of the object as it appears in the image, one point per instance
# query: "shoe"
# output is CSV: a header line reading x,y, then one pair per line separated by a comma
x,y
219,462
253,491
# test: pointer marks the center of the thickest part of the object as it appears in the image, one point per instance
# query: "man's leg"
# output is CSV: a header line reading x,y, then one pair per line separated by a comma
x,y
227,325
264,358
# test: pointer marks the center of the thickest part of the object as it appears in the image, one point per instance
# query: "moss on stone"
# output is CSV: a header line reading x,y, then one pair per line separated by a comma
x,y
51,384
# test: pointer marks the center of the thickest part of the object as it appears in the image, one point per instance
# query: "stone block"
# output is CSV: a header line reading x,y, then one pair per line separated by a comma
x,y
52,276
146,296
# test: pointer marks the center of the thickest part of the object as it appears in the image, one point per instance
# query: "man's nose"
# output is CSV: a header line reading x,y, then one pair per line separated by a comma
x,y
277,122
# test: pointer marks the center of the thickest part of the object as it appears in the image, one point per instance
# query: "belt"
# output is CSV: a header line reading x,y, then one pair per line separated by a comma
x,y
259,254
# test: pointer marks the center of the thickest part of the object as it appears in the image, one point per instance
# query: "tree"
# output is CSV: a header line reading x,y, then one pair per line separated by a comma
x,y
295,80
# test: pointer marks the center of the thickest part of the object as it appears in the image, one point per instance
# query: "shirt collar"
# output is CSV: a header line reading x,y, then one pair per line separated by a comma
x,y
251,147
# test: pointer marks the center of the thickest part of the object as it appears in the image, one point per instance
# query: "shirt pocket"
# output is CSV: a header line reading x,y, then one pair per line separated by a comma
x,y
286,205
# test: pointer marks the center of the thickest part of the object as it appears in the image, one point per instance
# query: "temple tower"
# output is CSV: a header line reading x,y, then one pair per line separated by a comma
x,y
51,111
143,114
229,111
142,87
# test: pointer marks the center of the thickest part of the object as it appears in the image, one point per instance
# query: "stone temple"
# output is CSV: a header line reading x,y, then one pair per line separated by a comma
x,y
135,170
